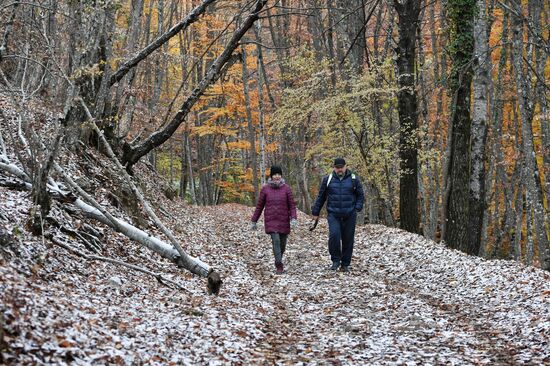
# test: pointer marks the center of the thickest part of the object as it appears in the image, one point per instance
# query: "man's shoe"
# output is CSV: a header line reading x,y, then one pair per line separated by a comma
x,y
334,266
345,269
280,268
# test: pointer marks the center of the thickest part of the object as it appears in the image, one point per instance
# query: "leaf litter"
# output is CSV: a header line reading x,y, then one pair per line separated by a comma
x,y
407,300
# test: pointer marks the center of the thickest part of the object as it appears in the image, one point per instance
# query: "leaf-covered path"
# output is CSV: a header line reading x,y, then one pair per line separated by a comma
x,y
406,301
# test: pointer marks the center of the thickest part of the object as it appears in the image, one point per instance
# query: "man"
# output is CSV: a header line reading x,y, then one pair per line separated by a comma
x,y
345,196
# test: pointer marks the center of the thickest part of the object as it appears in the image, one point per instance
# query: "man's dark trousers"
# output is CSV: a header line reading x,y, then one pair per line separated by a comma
x,y
341,235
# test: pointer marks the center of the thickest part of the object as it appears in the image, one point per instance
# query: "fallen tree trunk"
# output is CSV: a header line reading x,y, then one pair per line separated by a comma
x,y
187,261
98,213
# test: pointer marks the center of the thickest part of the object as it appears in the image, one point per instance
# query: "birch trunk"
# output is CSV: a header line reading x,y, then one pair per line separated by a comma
x,y
97,212
481,82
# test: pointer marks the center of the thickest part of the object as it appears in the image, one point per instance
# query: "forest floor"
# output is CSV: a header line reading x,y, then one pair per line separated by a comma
x,y
407,300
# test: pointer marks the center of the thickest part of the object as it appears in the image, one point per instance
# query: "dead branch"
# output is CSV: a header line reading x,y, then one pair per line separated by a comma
x,y
188,261
97,212
132,154
163,280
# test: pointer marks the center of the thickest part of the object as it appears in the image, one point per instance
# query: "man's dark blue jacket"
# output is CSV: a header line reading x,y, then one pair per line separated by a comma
x,y
344,195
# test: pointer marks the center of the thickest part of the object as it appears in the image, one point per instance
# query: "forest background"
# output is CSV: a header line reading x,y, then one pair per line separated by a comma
x,y
441,107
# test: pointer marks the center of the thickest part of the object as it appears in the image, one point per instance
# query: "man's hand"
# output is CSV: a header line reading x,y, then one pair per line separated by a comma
x,y
314,224
253,226
293,223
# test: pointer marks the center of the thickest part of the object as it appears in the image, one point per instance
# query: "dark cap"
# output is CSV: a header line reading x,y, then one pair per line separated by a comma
x,y
338,162
275,169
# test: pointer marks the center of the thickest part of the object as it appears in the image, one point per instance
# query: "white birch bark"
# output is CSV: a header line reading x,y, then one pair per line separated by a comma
x,y
97,212
481,83
185,260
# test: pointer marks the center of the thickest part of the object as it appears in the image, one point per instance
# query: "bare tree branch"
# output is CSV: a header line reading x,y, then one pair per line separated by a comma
x,y
191,18
133,153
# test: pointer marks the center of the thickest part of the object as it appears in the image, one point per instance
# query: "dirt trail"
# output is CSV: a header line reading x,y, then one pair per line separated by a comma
x,y
406,301
378,313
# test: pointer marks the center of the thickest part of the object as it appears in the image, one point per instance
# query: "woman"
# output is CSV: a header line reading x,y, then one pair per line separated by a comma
x,y
280,213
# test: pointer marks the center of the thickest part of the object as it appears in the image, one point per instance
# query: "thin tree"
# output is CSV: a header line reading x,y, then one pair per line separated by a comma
x,y
250,126
535,215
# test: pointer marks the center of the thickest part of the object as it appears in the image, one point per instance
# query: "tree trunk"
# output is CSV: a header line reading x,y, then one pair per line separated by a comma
x,y
516,239
438,182
280,42
122,97
541,58
408,13
260,84
304,188
250,126
183,171
96,211
461,17
192,191
330,42
352,32
8,27
533,194
481,85
497,159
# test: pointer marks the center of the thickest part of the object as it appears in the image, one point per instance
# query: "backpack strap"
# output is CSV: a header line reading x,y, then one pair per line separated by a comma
x,y
329,179
353,179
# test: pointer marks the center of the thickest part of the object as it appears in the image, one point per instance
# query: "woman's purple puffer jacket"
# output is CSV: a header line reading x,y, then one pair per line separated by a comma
x,y
279,207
